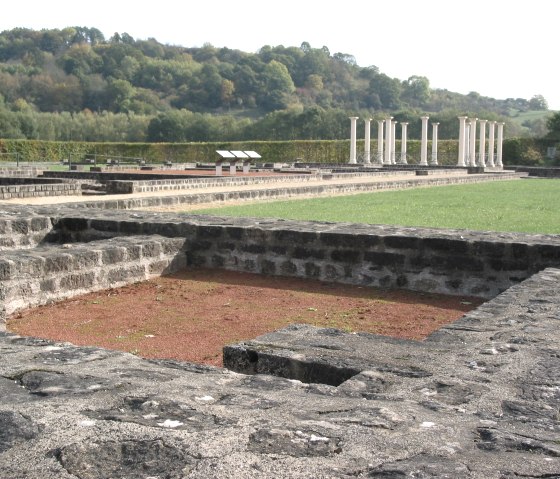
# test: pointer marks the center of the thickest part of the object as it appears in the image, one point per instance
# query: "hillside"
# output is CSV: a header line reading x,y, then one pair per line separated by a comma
x,y
75,84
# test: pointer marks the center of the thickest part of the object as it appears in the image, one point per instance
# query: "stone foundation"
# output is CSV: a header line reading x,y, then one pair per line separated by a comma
x,y
477,399
23,187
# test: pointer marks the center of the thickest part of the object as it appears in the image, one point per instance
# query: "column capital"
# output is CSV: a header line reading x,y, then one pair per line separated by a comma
x,y
492,122
353,117
462,117
482,121
404,123
435,123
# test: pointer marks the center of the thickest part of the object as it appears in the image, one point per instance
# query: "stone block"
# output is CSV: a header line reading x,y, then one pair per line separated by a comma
x,y
7,269
125,274
253,248
300,252
58,263
21,226
384,259
112,255
312,270
77,281
346,255
288,268
446,244
268,267
402,242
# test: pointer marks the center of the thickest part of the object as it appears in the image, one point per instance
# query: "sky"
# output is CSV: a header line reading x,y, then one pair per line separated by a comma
x,y
498,48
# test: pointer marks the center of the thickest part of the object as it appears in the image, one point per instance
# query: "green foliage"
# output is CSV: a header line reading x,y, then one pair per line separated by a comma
x,y
76,71
553,125
526,151
521,205
517,151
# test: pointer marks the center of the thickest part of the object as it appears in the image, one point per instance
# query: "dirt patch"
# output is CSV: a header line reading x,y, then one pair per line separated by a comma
x,y
190,316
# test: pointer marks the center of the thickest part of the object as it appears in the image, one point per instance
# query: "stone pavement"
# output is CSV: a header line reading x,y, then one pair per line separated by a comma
x,y
478,399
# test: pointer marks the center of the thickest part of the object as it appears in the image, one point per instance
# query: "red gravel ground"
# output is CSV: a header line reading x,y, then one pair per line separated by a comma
x,y
190,316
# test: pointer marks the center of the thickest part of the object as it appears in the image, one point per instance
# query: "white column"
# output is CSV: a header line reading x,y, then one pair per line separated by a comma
x,y
380,142
461,157
491,128
394,142
467,143
404,126
388,141
434,143
482,144
353,120
367,143
499,145
472,142
424,145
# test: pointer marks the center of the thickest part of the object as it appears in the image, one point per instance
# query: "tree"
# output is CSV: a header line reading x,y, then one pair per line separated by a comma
x,y
278,87
416,90
538,102
553,125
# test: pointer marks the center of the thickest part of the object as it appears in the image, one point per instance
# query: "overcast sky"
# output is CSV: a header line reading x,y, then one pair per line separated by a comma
x,y
497,48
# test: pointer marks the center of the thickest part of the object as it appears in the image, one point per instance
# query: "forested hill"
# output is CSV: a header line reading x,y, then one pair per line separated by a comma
x,y
75,83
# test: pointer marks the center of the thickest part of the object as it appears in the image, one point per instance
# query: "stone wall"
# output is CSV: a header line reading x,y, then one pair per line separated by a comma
x,y
49,272
444,261
22,229
15,187
539,171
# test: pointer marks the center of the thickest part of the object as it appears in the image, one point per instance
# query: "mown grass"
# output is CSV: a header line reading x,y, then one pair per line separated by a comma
x,y
530,206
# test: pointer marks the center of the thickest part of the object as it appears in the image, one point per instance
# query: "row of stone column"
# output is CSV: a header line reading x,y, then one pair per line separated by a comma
x,y
386,151
467,143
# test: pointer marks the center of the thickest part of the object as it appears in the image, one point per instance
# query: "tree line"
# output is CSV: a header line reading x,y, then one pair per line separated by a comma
x,y
74,84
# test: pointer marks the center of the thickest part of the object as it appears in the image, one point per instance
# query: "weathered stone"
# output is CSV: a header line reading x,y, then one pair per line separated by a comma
x,y
134,459
15,429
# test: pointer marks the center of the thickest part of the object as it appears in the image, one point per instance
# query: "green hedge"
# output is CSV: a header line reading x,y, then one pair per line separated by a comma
x,y
526,151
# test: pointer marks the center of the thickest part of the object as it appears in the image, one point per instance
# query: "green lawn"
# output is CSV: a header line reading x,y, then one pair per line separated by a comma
x,y
531,206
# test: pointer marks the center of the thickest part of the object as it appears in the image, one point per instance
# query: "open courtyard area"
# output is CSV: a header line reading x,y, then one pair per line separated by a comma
x,y
347,347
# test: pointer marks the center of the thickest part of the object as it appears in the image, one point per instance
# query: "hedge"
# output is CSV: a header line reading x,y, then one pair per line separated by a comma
x,y
527,151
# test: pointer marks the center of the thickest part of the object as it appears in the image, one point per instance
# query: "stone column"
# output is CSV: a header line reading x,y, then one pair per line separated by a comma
x,y
467,143
404,126
499,163
491,128
380,142
424,145
482,144
472,142
461,157
434,143
388,141
367,154
353,120
394,142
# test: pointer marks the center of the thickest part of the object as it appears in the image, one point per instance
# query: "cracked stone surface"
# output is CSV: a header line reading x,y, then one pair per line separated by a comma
x,y
477,399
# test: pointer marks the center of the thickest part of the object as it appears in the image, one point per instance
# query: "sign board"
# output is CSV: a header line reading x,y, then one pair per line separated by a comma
x,y
225,154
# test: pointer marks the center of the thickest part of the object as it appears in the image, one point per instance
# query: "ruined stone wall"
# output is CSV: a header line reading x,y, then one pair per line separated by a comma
x,y
48,273
15,187
51,253
430,260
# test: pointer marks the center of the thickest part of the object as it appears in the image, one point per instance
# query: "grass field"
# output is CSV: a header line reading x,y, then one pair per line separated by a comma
x,y
530,205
